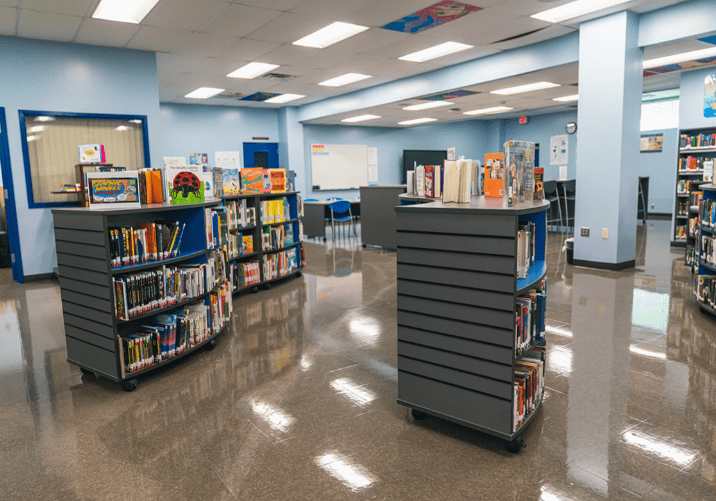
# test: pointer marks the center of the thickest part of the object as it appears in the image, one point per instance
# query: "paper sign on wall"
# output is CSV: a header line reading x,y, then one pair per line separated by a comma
x,y
558,149
451,153
227,159
562,172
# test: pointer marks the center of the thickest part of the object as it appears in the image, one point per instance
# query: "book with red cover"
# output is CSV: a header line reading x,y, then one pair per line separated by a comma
x,y
429,178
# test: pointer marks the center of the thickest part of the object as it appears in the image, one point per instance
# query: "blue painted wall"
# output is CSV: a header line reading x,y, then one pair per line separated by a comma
x,y
691,100
51,76
661,169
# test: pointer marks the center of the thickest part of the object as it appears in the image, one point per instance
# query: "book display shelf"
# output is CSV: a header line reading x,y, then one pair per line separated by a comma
x,y
693,226
460,313
697,151
96,330
705,288
266,220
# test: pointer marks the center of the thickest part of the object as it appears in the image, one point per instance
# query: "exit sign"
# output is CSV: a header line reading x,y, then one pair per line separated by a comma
x,y
523,120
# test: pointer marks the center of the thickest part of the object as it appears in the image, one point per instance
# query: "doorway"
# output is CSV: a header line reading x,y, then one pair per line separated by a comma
x,y
264,155
9,236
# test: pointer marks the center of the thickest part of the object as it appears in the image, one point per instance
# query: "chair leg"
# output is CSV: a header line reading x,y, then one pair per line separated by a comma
x,y
566,207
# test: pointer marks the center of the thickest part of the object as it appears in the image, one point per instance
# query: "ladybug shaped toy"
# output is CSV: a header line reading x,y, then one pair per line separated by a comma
x,y
186,182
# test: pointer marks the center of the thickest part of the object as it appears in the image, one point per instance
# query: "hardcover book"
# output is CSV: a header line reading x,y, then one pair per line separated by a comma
x,y
494,173
231,182
218,182
278,180
184,184
252,180
429,173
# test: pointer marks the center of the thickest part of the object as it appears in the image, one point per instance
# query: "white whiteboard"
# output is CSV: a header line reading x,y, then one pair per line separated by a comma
x,y
339,166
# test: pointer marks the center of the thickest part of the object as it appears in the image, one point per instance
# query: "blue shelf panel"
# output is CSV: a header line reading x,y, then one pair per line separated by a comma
x,y
534,275
707,267
706,228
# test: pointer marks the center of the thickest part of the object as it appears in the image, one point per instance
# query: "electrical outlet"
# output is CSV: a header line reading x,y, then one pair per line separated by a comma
x,y
605,232
585,232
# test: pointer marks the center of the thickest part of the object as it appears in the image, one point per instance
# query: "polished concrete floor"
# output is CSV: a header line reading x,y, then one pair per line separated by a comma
x,y
297,401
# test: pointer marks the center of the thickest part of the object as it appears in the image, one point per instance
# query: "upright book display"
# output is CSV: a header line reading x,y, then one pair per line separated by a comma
x,y
470,332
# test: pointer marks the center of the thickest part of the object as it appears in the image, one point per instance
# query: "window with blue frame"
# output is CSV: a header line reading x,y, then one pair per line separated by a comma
x,y
51,142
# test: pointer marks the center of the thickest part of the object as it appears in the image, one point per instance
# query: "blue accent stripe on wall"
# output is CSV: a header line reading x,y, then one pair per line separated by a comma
x,y
10,207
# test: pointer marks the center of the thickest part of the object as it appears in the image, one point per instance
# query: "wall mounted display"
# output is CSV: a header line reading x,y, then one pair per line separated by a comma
x,y
92,154
710,96
116,189
430,17
652,143
559,149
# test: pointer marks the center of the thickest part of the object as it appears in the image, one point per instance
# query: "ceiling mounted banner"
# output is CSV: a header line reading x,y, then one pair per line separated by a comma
x,y
430,17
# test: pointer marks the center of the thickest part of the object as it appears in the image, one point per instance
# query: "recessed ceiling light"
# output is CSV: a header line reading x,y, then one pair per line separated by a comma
x,y
44,119
426,106
204,93
284,98
333,33
361,118
488,111
122,127
32,138
346,79
575,9
566,99
135,121
37,128
524,88
124,11
252,70
679,58
437,51
418,121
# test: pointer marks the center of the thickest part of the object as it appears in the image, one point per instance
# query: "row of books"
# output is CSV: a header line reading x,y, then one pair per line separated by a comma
x,y
706,290
276,237
426,181
697,164
275,211
682,186
683,208
217,226
248,181
240,245
695,199
243,274
693,226
452,182
151,186
690,256
680,232
528,387
145,242
707,212
697,141
240,215
708,249
525,248
280,264
530,318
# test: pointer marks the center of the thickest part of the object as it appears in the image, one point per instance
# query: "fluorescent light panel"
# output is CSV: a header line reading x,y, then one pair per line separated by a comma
x,y
567,99
418,121
333,33
488,111
135,121
284,98
44,119
204,93
360,118
122,127
575,9
679,58
124,11
437,51
252,70
346,79
37,128
524,88
426,106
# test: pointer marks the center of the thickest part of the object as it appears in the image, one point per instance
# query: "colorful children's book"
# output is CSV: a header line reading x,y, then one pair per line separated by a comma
x,y
267,181
231,182
494,172
252,180
278,180
539,183
218,182
184,184
199,159
429,177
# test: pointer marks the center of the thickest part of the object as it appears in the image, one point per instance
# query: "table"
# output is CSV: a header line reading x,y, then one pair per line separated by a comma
x,y
316,213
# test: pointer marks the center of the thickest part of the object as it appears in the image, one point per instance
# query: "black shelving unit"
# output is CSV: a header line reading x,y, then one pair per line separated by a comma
x,y
457,293
703,267
86,275
693,214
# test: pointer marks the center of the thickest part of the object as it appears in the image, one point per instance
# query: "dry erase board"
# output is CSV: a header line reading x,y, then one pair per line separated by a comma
x,y
339,166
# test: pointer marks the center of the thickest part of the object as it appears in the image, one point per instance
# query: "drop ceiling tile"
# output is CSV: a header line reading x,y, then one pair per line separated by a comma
x,y
8,17
361,63
203,44
184,14
9,3
547,33
372,40
282,5
500,84
327,58
288,54
380,12
510,29
405,46
240,20
648,6
46,26
287,28
245,49
101,32
157,38
565,74
221,67
69,7
465,55
179,63
396,68
329,9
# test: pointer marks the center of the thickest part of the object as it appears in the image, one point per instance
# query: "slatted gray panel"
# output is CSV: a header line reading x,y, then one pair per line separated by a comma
x,y
460,362
85,288
475,297
103,317
461,278
85,263
459,403
78,221
89,337
89,325
483,316
85,300
455,328
94,251
457,260
466,224
460,243
501,354
447,375
91,277
79,236
91,356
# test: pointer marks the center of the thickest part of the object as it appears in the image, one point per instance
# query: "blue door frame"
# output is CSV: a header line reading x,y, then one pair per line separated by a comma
x,y
10,207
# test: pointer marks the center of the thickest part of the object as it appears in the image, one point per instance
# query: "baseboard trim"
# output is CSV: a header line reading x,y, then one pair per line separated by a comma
x,y
41,276
605,266
664,216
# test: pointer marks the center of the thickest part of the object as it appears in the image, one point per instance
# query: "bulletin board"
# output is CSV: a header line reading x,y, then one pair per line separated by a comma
x,y
339,166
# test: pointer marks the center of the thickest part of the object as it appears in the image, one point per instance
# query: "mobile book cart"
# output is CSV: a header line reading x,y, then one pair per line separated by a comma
x,y
85,273
457,292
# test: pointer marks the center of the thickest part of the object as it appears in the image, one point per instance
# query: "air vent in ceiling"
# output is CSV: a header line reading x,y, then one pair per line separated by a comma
x,y
516,37
455,109
280,77
230,95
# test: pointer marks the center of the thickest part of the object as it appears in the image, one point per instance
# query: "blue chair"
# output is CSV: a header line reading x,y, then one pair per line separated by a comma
x,y
339,209
373,184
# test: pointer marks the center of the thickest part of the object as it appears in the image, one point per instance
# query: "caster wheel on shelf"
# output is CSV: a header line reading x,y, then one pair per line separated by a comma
x,y
130,384
419,415
299,274
324,239
86,372
268,287
254,289
516,445
210,345
364,246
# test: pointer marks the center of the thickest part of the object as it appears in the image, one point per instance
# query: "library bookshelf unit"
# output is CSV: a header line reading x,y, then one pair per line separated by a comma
x,y
457,298
705,255
692,143
293,219
693,226
92,329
